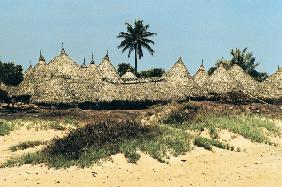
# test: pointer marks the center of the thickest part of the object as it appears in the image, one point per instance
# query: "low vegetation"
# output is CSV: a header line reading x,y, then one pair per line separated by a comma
x,y
38,124
27,144
5,128
174,135
207,143
96,142
250,127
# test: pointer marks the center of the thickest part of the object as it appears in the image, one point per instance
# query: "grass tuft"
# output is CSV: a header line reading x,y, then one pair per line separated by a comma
x,y
27,144
5,128
208,143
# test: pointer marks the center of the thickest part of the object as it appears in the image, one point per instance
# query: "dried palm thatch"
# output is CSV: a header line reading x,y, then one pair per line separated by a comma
x,y
221,81
179,82
128,76
271,88
244,81
107,70
201,77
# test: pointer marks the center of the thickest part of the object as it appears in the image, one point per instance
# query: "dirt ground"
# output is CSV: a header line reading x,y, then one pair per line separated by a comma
x,y
255,165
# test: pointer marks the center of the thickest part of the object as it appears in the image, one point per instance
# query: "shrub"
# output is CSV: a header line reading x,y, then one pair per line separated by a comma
x,y
5,128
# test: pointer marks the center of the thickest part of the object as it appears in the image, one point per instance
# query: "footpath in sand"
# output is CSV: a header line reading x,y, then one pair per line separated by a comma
x,y
258,165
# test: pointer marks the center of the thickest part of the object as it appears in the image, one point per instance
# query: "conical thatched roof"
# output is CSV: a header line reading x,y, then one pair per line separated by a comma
x,y
201,77
178,71
221,81
107,70
63,65
271,88
128,76
245,82
180,83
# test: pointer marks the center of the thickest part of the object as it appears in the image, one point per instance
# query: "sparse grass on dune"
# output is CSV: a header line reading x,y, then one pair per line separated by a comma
x,y
38,124
96,142
249,126
207,143
27,144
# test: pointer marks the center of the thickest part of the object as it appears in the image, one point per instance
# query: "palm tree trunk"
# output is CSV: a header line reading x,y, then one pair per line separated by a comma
x,y
135,61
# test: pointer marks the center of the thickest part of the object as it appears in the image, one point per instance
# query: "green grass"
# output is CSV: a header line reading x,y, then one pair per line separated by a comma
x,y
207,143
5,128
40,124
97,142
26,144
249,126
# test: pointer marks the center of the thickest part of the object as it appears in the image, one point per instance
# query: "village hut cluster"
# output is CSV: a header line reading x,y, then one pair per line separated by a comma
x,y
64,81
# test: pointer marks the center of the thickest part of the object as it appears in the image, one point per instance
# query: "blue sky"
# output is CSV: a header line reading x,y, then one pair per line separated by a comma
x,y
195,30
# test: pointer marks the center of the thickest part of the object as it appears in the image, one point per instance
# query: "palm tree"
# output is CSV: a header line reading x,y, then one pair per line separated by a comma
x,y
135,39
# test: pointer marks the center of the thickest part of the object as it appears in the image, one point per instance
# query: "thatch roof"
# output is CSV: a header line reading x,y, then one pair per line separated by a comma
x,y
179,82
201,77
271,88
129,76
245,82
63,65
107,70
178,71
221,81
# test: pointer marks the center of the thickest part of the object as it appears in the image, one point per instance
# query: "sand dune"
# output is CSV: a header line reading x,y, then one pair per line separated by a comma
x,y
258,165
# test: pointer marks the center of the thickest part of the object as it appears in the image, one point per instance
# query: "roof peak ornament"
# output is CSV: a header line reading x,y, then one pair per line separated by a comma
x,y
41,57
63,52
92,59
30,65
107,56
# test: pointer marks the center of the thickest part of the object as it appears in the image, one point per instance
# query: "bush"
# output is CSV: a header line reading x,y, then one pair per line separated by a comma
x,y
11,74
4,97
5,128
184,114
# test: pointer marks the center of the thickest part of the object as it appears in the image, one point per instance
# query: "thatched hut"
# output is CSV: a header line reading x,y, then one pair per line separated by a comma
x,y
221,82
271,88
180,83
128,76
244,81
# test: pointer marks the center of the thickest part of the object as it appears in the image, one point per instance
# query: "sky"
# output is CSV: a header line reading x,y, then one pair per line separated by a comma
x,y
192,29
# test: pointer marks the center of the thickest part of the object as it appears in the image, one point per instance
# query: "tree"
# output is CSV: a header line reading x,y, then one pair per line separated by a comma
x,y
11,74
123,68
155,72
226,64
136,38
245,60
